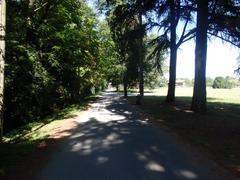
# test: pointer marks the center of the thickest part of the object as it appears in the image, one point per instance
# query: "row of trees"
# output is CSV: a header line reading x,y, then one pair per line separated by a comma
x,y
218,82
57,53
177,21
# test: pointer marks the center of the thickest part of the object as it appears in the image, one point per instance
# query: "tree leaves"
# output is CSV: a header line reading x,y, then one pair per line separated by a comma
x,y
53,56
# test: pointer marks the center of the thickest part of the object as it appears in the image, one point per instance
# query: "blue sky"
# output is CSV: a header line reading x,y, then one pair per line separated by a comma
x,y
221,59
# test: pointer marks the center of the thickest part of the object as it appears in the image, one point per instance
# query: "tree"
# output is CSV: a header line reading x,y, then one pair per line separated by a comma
x,y
141,58
170,13
111,65
199,91
225,83
173,53
221,20
224,17
121,24
219,82
2,63
128,35
53,58
126,21
154,65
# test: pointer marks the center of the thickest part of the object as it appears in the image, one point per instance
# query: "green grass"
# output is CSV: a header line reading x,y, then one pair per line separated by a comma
x,y
20,143
217,132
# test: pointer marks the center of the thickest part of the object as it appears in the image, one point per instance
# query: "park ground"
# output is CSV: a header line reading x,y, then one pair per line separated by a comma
x,y
215,133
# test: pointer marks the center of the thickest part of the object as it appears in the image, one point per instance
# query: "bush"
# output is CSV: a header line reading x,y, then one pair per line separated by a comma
x,y
222,83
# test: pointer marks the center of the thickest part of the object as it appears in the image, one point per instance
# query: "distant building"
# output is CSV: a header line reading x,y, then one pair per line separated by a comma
x,y
180,83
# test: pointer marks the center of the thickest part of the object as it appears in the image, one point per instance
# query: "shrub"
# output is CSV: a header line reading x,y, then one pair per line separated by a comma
x,y
222,83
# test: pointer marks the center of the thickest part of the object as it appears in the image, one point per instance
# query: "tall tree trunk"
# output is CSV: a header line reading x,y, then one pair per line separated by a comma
x,y
2,56
199,93
141,58
173,55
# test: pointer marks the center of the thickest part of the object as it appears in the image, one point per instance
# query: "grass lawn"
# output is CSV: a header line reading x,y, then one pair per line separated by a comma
x,y
216,132
32,144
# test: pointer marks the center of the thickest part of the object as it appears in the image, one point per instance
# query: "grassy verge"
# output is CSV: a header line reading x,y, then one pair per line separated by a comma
x,y
23,144
217,132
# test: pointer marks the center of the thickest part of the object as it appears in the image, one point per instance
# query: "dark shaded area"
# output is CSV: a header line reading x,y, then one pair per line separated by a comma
x,y
60,114
217,132
24,160
21,153
126,147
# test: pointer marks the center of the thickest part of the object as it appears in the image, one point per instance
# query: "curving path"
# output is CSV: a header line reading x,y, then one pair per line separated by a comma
x,y
112,141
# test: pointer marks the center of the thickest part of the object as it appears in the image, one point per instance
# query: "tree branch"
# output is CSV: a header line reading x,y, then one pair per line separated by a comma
x,y
224,39
184,28
186,37
35,10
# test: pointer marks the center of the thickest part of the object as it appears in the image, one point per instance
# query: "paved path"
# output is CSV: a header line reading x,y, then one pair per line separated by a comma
x,y
113,142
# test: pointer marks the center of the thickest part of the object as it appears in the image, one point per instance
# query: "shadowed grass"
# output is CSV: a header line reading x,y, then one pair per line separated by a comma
x,y
217,131
21,143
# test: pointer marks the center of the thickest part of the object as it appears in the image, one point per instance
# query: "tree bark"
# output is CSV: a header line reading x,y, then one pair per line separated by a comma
x,y
199,93
173,55
2,62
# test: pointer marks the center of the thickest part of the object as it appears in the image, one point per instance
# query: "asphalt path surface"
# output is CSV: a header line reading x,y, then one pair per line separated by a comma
x,y
113,141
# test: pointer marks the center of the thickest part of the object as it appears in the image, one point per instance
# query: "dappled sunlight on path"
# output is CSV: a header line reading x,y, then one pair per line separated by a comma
x,y
113,141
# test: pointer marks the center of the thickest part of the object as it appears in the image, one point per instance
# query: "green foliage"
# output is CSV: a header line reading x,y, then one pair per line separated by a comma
x,y
112,68
220,82
55,56
125,33
225,83
57,52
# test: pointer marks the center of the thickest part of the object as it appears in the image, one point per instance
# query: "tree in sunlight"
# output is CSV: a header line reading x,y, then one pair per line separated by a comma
x,y
53,58
222,21
168,15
